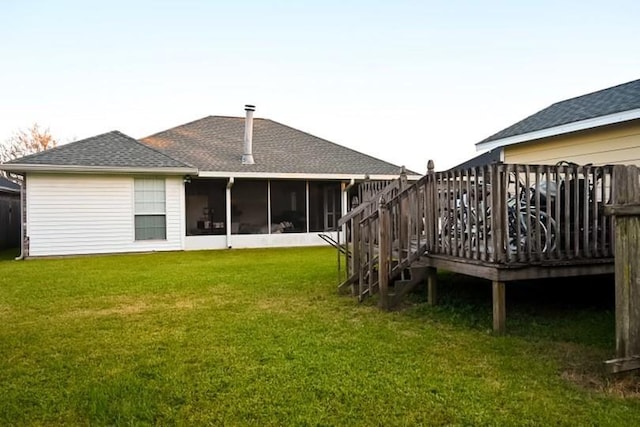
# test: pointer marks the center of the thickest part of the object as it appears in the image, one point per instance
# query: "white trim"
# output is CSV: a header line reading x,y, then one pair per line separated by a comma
x,y
562,129
302,176
228,210
18,167
9,190
21,167
306,201
268,206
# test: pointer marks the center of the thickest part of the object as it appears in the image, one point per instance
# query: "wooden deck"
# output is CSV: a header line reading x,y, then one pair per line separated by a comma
x,y
502,222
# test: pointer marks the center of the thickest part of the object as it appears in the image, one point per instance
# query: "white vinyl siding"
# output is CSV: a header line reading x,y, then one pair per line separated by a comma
x,y
87,214
614,144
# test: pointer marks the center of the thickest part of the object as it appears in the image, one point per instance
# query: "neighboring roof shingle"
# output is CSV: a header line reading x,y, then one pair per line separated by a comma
x,y
215,143
488,158
8,185
112,149
613,100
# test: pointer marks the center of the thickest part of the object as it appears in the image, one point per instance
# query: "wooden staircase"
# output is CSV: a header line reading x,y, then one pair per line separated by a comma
x,y
386,243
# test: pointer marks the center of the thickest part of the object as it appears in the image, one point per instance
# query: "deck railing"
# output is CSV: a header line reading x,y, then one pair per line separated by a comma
x,y
501,214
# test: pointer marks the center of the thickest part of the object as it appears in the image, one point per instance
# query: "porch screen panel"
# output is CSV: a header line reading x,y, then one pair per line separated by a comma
x,y
249,207
325,205
206,207
288,206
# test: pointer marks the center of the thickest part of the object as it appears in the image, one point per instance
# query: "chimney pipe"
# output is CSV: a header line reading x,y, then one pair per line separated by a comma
x,y
247,155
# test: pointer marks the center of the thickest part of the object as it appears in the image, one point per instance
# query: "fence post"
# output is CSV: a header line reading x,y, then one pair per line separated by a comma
x,y
383,253
430,214
626,211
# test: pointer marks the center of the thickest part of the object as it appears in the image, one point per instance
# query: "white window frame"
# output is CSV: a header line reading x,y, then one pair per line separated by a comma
x,y
150,207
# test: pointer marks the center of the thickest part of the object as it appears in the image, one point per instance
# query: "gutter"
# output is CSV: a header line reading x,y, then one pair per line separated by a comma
x,y
228,209
586,124
22,168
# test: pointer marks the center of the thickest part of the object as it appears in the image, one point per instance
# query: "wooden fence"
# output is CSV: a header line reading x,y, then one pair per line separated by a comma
x,y
626,211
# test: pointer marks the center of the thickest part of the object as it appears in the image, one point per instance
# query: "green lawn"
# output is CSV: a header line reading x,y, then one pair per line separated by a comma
x,y
260,337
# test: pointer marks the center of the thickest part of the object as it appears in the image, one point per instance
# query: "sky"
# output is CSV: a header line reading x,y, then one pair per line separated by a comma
x,y
404,81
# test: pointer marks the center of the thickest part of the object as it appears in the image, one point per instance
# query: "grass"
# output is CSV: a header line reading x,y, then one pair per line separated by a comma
x,y
260,337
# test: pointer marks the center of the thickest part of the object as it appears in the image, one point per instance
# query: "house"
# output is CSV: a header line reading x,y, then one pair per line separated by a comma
x,y
602,127
217,182
9,214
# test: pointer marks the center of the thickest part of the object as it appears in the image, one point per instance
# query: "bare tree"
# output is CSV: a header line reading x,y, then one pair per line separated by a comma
x,y
25,142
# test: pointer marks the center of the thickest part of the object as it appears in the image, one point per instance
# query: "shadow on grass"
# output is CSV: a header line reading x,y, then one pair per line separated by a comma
x,y
573,318
578,310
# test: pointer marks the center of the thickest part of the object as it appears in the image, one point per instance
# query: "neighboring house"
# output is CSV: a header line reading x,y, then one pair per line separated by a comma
x,y
486,158
9,214
213,183
601,128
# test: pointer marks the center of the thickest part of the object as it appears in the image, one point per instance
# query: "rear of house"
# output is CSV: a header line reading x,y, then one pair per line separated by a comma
x,y
190,187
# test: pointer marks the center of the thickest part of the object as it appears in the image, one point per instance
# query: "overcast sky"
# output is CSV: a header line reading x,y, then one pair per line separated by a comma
x,y
405,81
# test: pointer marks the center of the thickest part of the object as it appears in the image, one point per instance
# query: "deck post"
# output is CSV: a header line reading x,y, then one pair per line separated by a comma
x,y
499,308
432,286
626,210
355,248
384,254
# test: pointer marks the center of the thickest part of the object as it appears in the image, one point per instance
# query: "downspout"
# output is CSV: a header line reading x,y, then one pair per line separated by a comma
x,y
22,219
228,206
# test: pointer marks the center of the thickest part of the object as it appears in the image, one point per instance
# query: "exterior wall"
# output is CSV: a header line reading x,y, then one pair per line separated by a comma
x,y
87,214
614,144
255,241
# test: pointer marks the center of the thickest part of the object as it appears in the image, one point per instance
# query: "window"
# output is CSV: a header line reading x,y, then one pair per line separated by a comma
x,y
150,214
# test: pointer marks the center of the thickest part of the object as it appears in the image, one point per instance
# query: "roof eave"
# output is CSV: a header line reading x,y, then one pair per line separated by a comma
x,y
562,129
297,175
24,167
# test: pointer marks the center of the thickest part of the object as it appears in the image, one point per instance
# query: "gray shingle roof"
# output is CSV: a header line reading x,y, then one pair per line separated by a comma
x,y
215,143
488,158
8,185
112,149
613,100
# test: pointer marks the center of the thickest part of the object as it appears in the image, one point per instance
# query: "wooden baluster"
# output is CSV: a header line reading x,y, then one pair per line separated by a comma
x,y
384,254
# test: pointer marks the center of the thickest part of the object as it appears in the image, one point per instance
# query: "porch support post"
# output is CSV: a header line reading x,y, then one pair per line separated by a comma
x,y
432,286
499,308
228,209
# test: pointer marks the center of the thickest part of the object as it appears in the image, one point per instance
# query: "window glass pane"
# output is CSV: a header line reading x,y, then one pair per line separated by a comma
x,y
149,196
206,206
288,207
148,227
249,207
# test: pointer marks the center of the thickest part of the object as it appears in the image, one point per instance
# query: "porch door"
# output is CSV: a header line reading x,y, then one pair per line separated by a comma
x,y
331,207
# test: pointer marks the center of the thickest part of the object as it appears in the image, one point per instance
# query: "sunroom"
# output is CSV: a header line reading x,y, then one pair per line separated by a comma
x,y
258,212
